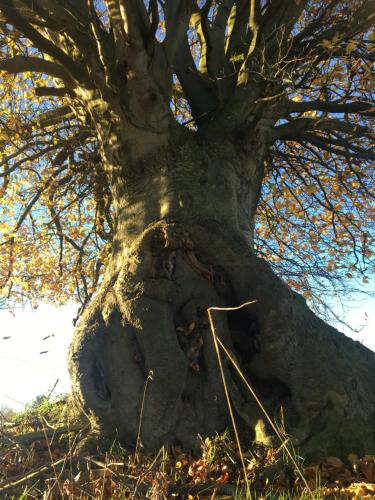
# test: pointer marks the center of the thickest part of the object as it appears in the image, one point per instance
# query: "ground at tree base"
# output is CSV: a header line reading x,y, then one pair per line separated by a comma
x,y
51,468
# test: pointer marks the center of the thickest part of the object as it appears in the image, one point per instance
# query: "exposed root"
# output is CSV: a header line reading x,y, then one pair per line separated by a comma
x,y
153,318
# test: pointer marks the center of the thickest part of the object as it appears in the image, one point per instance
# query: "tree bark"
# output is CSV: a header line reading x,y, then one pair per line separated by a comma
x,y
142,361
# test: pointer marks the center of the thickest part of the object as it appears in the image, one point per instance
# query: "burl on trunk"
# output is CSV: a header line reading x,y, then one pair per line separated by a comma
x,y
143,358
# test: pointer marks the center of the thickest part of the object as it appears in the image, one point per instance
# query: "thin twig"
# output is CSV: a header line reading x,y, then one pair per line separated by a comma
x,y
53,388
22,478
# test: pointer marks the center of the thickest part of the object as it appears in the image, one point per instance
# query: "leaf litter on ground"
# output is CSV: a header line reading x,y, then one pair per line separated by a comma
x,y
53,470
51,467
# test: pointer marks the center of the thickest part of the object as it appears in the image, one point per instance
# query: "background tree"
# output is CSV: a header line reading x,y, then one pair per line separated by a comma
x,y
152,152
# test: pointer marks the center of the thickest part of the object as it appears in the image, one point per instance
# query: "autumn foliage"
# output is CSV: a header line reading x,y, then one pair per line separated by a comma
x,y
316,212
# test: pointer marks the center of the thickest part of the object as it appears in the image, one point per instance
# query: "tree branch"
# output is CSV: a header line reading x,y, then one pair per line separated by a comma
x,y
331,145
347,26
237,37
36,197
278,14
117,25
30,158
364,108
220,23
197,91
54,116
213,57
154,17
22,64
136,21
177,15
318,22
43,44
53,91
300,125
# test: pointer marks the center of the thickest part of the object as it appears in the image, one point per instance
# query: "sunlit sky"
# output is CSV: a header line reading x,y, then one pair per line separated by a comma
x,y
26,373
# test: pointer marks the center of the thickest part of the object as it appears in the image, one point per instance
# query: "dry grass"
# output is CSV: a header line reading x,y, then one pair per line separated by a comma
x,y
51,468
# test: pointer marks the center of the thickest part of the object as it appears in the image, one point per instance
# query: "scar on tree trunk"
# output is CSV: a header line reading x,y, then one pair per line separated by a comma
x,y
146,339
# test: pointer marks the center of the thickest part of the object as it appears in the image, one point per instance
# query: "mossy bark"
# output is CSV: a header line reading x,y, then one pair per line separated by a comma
x,y
142,358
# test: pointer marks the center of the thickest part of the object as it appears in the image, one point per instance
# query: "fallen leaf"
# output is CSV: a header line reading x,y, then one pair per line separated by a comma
x,y
224,478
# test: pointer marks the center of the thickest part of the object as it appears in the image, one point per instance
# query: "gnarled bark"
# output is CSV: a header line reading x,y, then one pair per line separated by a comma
x,y
143,356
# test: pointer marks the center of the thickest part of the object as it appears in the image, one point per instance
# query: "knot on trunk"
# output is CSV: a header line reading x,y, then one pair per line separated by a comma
x,y
170,240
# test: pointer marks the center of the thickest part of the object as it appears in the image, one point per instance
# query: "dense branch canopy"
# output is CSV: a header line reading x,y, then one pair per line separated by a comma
x,y
297,73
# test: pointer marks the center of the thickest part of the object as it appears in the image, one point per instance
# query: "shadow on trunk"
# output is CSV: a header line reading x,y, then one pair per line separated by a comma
x,y
149,321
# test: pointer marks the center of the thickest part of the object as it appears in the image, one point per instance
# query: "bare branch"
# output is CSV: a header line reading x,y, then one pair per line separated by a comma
x,y
237,38
20,23
136,21
118,27
280,14
154,17
311,28
364,108
300,125
55,116
220,23
213,58
177,15
197,90
21,64
53,91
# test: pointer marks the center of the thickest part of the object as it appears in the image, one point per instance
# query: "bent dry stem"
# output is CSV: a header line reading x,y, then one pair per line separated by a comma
x,y
283,442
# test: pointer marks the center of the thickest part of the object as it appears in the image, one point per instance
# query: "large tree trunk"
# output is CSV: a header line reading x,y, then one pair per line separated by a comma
x,y
183,244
